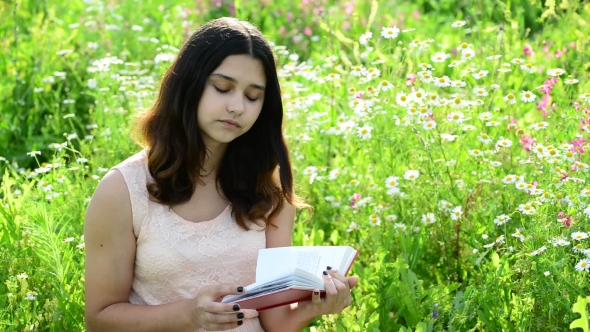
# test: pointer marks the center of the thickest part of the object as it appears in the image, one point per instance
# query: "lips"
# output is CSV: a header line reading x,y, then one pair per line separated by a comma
x,y
230,122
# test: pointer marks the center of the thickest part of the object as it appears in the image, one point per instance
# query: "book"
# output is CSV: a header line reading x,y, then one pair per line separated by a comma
x,y
290,274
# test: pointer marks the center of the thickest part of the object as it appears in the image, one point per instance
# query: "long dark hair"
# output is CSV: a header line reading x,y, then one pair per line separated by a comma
x,y
176,151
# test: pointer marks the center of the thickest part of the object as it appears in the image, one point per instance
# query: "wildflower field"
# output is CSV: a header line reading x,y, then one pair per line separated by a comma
x,y
448,141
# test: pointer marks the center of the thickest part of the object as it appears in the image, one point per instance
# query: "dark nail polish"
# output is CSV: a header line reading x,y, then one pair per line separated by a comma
x,y
325,273
236,307
240,315
316,293
240,289
329,268
240,322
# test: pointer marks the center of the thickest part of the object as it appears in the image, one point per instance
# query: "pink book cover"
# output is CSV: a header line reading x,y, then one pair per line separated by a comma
x,y
284,297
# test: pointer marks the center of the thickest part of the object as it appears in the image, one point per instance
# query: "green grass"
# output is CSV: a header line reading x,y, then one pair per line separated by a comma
x,y
431,256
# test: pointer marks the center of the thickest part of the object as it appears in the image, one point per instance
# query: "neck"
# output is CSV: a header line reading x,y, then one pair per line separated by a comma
x,y
215,154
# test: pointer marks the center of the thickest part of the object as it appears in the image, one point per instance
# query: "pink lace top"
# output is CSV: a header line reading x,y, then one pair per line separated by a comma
x,y
176,257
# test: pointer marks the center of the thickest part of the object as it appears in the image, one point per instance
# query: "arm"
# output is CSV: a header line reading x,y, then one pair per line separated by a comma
x,y
110,259
284,317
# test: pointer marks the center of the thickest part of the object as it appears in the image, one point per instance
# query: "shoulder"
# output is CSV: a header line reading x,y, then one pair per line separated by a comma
x,y
110,205
137,159
281,233
111,195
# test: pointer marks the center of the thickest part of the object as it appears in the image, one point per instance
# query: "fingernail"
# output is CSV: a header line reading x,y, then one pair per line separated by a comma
x,y
240,322
240,289
316,292
240,315
325,273
236,307
329,268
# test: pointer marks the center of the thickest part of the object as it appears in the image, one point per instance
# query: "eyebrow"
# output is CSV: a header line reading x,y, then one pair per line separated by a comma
x,y
231,79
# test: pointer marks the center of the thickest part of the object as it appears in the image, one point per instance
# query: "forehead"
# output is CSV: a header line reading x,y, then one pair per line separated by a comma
x,y
243,69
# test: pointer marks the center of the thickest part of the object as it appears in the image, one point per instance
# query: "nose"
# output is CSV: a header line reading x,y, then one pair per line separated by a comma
x,y
236,104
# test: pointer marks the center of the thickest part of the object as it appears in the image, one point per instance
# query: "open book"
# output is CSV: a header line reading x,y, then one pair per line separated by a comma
x,y
290,274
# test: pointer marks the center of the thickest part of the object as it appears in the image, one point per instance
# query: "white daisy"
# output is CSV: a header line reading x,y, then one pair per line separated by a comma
x,y
484,138
364,132
456,213
504,143
527,96
402,99
352,227
583,265
365,37
539,126
510,98
481,74
392,182
456,117
428,218
501,219
555,72
358,71
579,236
429,125
467,54
480,92
539,251
442,82
411,175
493,57
529,68
448,137
390,33
510,178
440,57
385,86
458,24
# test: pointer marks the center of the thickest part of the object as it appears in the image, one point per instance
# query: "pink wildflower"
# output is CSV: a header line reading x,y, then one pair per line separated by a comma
x,y
410,79
354,198
528,142
528,50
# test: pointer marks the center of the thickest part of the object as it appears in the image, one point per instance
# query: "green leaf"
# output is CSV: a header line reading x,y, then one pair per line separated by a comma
x,y
580,307
495,259
334,237
421,327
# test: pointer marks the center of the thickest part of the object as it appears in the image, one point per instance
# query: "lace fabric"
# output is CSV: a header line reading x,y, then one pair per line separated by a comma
x,y
175,257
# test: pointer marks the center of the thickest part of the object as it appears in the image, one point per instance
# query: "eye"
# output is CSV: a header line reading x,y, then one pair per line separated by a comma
x,y
220,90
252,99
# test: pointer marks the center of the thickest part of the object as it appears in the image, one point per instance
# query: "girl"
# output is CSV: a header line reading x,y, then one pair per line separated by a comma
x,y
176,227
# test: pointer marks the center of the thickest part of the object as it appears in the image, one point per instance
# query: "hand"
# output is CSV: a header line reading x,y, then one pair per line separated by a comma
x,y
338,295
208,313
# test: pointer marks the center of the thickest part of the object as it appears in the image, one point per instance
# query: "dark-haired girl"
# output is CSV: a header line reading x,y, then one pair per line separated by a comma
x,y
177,226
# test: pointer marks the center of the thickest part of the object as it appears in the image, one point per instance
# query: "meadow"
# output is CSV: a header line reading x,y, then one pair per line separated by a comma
x,y
448,141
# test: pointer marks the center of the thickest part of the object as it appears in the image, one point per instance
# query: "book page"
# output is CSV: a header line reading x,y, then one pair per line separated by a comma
x,y
308,260
274,263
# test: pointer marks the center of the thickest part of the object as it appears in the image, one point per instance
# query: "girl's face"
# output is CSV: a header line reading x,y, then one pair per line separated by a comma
x,y
232,100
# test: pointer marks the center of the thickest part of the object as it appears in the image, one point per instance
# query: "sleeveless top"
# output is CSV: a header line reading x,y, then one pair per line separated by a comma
x,y
175,257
